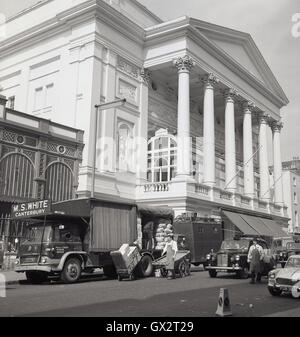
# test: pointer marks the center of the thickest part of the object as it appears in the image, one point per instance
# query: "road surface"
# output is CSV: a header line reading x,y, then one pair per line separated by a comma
x,y
193,296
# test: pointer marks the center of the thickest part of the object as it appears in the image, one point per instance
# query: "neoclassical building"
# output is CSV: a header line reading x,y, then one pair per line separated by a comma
x,y
200,100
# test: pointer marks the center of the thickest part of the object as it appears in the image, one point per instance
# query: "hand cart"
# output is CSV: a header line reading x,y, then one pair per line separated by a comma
x,y
182,264
126,264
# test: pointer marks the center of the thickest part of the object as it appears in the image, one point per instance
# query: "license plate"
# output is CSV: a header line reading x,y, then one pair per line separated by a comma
x,y
29,259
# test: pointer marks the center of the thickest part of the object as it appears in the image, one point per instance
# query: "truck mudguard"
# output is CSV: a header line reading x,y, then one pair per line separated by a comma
x,y
68,254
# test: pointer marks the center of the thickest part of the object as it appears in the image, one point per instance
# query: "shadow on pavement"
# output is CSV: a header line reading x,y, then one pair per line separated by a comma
x,y
246,301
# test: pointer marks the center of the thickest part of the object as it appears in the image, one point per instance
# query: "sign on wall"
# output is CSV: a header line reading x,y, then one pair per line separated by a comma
x,y
28,209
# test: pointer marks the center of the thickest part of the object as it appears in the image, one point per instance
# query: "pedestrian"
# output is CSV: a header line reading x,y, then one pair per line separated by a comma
x,y
171,250
255,257
148,235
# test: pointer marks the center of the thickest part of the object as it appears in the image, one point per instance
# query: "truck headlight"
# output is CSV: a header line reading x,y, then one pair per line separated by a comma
x,y
17,262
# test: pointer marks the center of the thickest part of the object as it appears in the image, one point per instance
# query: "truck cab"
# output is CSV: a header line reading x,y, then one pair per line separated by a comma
x,y
47,245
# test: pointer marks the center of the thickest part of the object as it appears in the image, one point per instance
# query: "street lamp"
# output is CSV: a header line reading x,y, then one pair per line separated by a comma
x,y
101,107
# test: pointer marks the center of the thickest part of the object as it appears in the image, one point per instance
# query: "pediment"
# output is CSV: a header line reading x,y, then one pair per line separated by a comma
x,y
242,49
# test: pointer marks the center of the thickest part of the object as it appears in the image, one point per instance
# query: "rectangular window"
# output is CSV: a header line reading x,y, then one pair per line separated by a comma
x,y
38,99
49,95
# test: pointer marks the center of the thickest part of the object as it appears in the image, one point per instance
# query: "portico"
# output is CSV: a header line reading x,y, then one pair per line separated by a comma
x,y
229,106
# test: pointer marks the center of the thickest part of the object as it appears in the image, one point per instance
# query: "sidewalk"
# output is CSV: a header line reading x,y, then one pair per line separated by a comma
x,y
11,277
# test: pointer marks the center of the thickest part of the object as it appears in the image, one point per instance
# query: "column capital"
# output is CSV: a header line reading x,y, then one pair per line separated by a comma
x,y
263,117
185,63
146,76
210,80
248,107
230,94
276,126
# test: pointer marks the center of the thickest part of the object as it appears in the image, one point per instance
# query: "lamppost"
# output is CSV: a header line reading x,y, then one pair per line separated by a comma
x,y
101,107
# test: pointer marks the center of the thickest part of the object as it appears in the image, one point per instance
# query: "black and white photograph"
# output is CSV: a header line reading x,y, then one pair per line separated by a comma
x,y
149,161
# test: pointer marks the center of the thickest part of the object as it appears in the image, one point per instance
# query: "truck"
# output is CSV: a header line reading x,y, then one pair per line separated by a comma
x,y
202,236
68,238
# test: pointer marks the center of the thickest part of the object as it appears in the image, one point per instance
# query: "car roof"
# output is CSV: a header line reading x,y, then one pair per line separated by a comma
x,y
295,256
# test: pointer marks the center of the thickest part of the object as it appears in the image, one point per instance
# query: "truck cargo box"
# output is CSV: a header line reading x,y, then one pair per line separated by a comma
x,y
111,225
201,237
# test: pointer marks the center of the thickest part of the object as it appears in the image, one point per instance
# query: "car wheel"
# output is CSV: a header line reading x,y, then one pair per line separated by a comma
x,y
243,274
72,271
212,273
36,277
274,291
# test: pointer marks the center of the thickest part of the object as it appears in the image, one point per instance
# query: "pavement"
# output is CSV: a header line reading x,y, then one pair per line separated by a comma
x,y
193,296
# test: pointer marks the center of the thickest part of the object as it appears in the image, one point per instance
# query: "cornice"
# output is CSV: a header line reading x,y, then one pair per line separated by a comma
x,y
93,9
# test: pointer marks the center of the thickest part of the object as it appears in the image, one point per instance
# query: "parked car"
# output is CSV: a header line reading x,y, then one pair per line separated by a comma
x,y
286,279
292,248
232,257
278,245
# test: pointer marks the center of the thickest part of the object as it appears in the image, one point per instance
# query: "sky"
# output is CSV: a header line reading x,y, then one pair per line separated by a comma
x,y
270,24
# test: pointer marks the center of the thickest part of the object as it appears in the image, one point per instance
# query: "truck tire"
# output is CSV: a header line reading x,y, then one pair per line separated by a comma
x,y
72,271
36,277
212,273
110,272
146,266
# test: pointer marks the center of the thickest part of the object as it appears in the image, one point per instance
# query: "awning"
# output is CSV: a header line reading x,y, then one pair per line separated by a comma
x,y
274,227
252,225
257,225
240,223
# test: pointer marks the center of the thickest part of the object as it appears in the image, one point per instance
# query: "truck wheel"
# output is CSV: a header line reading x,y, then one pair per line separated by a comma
x,y
36,277
146,266
212,273
243,274
110,272
72,271
274,291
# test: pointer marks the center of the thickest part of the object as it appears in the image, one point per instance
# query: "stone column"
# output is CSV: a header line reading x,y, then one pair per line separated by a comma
x,y
184,65
247,148
209,177
230,152
263,158
278,187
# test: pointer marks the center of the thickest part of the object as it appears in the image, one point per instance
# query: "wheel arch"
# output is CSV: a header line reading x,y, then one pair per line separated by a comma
x,y
82,256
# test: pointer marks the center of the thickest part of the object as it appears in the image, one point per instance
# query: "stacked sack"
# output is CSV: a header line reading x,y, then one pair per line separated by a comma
x,y
162,230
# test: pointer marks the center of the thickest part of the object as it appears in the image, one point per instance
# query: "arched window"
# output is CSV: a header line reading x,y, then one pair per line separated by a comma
x,y
16,176
59,182
125,147
162,157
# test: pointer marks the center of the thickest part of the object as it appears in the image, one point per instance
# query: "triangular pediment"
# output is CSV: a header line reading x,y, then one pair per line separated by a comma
x,y
242,49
